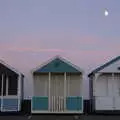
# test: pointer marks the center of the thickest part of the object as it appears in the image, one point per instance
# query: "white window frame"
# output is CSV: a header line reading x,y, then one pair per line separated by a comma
x,y
6,92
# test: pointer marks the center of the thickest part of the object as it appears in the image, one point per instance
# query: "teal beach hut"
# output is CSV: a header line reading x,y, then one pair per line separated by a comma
x,y
57,87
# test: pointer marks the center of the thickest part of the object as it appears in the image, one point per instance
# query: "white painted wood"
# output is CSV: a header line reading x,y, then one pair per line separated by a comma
x,y
61,112
113,90
65,82
41,85
104,103
116,83
19,91
12,97
112,68
95,83
2,93
104,92
68,85
110,84
108,92
57,104
49,88
101,88
81,84
57,92
117,103
74,85
116,92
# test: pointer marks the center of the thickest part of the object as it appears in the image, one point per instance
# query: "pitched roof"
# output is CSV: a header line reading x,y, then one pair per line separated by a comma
x,y
58,65
105,65
9,67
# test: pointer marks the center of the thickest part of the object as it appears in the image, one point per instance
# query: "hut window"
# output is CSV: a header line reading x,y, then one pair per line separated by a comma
x,y
0,83
118,68
12,85
4,85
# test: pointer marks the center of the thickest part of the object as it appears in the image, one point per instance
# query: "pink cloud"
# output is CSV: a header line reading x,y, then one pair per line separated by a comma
x,y
85,51
36,50
28,49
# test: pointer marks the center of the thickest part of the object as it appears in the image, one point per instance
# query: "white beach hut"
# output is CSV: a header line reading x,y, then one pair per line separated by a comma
x,y
105,86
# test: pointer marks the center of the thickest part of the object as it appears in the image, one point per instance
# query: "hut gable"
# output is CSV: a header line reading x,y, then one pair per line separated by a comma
x,y
5,68
58,65
11,92
112,66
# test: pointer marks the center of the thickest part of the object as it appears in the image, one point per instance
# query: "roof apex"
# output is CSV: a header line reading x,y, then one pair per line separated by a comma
x,y
104,65
61,59
10,67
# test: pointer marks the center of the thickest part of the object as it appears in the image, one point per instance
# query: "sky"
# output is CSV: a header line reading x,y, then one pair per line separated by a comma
x,y
33,31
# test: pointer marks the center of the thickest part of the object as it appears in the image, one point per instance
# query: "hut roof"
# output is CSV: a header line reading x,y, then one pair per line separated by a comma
x,y
5,68
104,65
58,65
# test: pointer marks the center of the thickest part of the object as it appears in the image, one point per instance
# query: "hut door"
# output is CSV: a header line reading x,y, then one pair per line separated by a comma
x,y
116,92
57,93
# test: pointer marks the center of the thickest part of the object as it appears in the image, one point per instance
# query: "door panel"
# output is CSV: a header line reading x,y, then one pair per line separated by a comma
x,y
111,98
116,85
57,93
104,103
116,91
117,103
110,85
101,86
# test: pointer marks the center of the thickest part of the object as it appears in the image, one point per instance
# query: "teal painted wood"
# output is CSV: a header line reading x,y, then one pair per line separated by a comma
x,y
74,103
58,65
10,104
40,103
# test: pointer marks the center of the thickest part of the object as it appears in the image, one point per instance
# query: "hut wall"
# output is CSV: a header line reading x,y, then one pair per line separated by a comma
x,y
41,85
58,101
57,85
101,87
107,92
74,85
116,91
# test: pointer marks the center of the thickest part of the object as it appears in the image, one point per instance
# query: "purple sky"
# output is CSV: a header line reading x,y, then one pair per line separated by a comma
x,y
33,31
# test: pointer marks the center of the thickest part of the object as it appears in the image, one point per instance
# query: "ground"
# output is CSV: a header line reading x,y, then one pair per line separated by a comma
x,y
59,117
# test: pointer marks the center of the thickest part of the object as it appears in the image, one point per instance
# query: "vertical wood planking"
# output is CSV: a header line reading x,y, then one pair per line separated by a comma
x,y
65,78
2,93
49,96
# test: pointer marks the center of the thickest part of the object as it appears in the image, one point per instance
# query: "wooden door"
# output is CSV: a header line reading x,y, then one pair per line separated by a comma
x,y
57,93
116,91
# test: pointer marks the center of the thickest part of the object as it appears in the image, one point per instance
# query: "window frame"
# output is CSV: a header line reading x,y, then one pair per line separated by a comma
x,y
5,83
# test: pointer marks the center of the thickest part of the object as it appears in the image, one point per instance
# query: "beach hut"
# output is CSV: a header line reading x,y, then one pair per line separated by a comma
x,y
105,87
57,87
11,88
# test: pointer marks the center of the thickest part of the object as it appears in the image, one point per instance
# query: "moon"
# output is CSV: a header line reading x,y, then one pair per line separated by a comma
x,y
106,13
